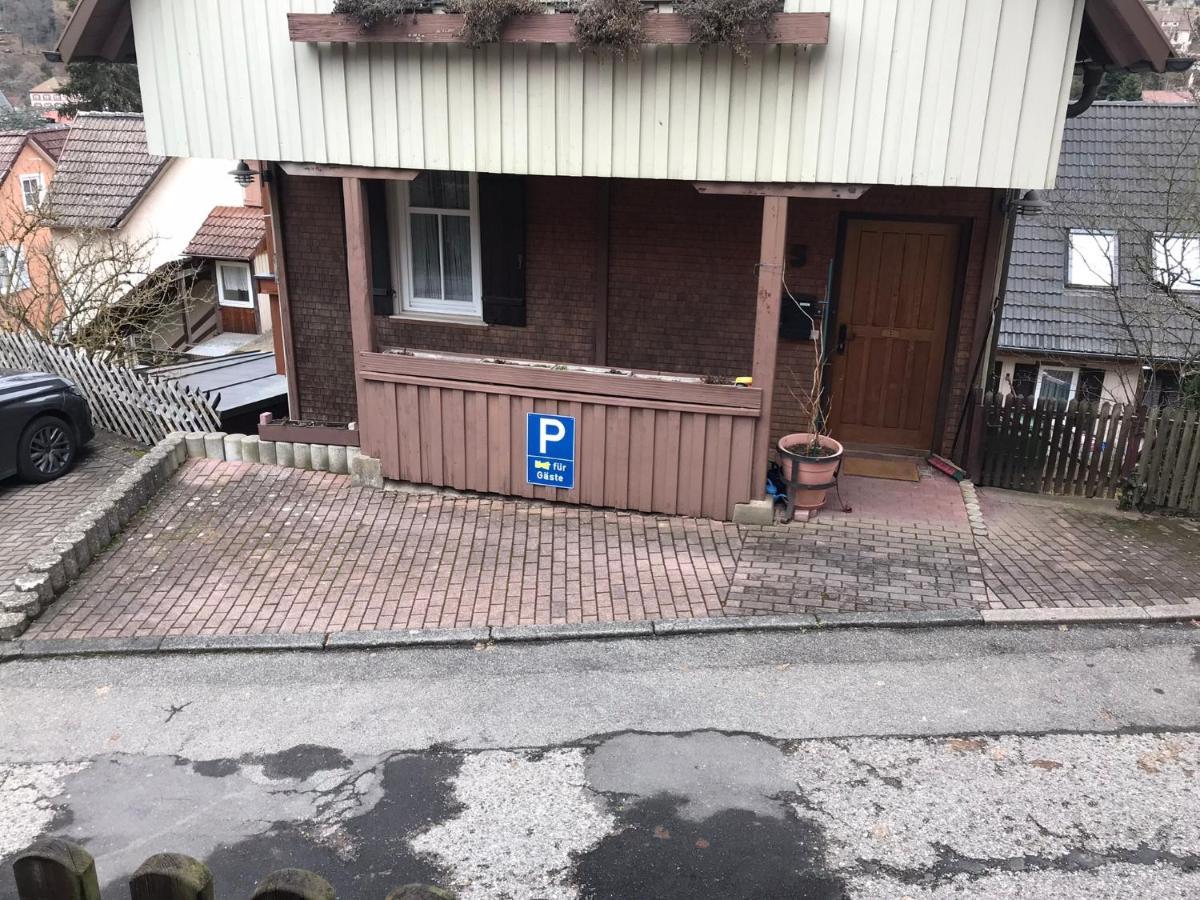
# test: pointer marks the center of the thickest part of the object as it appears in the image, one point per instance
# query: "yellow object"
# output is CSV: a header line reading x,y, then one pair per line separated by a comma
x,y
538,464
743,381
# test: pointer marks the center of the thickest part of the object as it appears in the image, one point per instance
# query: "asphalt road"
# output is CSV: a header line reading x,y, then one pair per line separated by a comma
x,y
978,763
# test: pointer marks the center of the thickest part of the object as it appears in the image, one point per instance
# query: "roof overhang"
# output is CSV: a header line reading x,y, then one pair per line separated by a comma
x,y
1123,34
98,30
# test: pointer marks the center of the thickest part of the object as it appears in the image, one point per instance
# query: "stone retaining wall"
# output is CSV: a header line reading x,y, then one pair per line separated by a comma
x,y
252,449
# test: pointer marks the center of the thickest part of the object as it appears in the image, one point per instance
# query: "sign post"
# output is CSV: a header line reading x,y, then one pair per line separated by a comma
x,y
550,451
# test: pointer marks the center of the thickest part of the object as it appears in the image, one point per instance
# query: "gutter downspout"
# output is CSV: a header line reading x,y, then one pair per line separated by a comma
x,y
1093,75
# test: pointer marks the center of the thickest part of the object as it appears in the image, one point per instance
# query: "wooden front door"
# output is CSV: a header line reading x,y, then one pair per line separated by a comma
x,y
889,342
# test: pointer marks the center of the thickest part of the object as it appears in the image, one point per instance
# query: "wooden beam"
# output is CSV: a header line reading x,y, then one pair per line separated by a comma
x,y
283,339
559,28
766,331
331,171
358,282
814,191
600,310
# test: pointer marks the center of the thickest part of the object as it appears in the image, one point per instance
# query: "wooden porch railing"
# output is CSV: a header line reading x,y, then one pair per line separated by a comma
x,y
653,445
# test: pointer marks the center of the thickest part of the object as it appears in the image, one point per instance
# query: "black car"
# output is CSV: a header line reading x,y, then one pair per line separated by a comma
x,y
44,420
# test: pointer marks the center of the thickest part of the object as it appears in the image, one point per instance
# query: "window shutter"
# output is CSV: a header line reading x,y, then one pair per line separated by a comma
x,y
502,248
382,294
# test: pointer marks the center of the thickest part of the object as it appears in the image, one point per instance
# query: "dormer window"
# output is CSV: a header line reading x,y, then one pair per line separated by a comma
x,y
1092,258
1177,262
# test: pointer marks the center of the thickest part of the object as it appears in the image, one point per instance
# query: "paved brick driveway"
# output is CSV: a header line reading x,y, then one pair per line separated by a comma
x,y
231,548
31,514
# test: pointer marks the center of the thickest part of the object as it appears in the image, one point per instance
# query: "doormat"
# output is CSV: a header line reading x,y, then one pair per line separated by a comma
x,y
876,467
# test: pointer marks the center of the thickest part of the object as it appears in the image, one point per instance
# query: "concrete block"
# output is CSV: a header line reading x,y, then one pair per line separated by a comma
x,y
797,622
756,512
123,646
320,457
12,624
214,445
250,445
303,456
352,453
51,565
70,562
285,454
417,637
178,444
35,583
266,453
1049,615
77,543
337,460
572,632
194,445
899,618
199,643
233,447
366,471
1176,611
26,603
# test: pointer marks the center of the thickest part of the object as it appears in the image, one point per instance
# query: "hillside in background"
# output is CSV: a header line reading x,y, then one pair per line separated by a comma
x,y
27,28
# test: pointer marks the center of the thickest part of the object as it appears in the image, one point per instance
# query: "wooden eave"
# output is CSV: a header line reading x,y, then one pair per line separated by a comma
x,y
98,30
1123,34
557,28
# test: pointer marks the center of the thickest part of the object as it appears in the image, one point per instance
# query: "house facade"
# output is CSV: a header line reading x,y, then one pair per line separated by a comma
x,y
471,237
1093,308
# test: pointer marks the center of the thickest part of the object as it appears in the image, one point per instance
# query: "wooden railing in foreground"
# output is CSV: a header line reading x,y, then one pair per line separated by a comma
x,y
1167,478
1080,449
138,406
662,445
61,870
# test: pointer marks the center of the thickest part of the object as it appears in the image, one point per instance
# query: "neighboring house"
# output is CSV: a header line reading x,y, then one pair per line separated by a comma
x,y
47,97
1127,173
177,209
470,237
28,160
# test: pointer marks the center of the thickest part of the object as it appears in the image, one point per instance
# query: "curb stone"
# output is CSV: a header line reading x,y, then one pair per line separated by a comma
x,y
534,634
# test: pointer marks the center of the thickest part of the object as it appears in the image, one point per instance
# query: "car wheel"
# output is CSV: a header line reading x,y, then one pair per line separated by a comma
x,y
47,449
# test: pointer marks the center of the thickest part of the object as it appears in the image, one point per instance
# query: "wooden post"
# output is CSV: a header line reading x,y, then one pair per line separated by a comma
x,y
171,876
766,331
56,870
600,309
279,302
358,280
294,884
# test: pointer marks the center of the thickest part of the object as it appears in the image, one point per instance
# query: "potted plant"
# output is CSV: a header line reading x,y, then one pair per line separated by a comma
x,y
811,457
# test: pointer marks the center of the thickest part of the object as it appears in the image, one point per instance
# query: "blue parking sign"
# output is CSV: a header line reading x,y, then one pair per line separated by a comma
x,y
550,450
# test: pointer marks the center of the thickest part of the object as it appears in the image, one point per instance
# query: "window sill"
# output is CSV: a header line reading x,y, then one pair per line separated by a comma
x,y
438,319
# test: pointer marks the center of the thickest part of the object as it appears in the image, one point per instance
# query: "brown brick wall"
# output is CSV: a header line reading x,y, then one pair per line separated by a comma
x,y
681,274
314,241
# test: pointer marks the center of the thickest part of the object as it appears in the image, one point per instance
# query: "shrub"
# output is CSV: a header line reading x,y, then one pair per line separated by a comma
x,y
484,20
617,25
369,13
730,22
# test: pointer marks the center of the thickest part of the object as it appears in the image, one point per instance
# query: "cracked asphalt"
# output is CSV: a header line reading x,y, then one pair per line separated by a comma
x,y
880,765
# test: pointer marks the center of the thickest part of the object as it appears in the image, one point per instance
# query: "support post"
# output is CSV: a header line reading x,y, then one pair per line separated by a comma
x,y
600,309
766,331
279,303
358,279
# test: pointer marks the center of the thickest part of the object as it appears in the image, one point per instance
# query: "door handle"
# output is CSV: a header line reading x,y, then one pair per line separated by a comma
x,y
841,340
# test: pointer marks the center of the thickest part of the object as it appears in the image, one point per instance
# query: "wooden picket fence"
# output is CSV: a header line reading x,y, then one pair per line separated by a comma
x,y
61,870
128,402
1080,448
1167,477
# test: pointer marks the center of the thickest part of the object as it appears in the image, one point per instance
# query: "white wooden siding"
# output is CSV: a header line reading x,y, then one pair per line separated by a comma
x,y
937,92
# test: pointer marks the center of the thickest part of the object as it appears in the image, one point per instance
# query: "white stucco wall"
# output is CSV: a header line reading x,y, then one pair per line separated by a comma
x,y
1121,379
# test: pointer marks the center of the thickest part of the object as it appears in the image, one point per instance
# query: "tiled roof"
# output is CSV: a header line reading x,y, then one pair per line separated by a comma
x,y
10,145
1117,161
229,232
51,139
104,169
51,85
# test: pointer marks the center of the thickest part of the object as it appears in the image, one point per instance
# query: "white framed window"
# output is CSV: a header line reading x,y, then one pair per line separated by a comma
x,y
1177,261
436,245
14,270
234,285
33,190
1056,384
1092,258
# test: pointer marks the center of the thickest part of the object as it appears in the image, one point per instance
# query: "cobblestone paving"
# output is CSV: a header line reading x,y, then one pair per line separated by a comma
x,y
31,514
231,548
1045,552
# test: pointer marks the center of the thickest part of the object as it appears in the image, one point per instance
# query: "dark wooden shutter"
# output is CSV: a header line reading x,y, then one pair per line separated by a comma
x,y
502,248
383,296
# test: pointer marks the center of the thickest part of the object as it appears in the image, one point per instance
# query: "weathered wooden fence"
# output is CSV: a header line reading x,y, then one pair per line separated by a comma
x,y
1167,477
1080,448
138,406
61,870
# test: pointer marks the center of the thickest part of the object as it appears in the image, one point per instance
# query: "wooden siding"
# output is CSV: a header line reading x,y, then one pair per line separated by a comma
x,y
934,92
654,446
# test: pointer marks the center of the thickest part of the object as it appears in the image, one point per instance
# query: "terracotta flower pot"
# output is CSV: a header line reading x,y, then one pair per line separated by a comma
x,y
814,470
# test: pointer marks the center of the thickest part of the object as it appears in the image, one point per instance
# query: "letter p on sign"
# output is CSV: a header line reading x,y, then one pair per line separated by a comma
x,y
550,431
